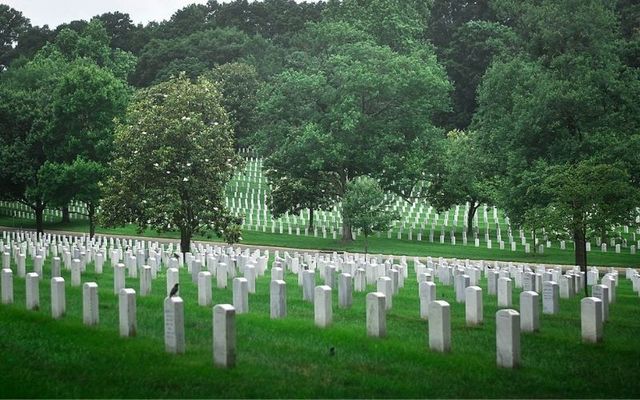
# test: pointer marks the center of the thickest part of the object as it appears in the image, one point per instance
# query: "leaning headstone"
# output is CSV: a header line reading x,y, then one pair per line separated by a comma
x,y
278,300
90,305
174,325
323,310
504,292
427,294
602,292
473,306
204,288
33,291
529,312
550,298
7,286
241,295
591,319
127,312
345,290
440,326
224,335
376,315
58,300
508,338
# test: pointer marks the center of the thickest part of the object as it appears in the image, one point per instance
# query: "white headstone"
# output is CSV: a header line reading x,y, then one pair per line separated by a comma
x,y
33,291
550,297
308,284
591,319
602,293
504,292
90,305
473,305
224,335
145,281
385,286
58,300
173,277
427,294
204,288
174,341
376,315
322,306
278,300
241,295
345,290
529,312
118,278
76,268
7,286
127,312
507,338
440,326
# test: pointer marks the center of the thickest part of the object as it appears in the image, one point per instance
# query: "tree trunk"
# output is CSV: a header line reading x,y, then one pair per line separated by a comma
x,y
580,244
39,211
65,214
473,207
91,208
185,240
310,218
366,244
535,246
347,237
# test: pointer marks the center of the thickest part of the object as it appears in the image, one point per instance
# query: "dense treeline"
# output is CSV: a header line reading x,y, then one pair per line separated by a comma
x,y
530,105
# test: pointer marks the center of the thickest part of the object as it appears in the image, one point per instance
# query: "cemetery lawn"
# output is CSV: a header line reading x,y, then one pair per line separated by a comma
x,y
289,358
377,245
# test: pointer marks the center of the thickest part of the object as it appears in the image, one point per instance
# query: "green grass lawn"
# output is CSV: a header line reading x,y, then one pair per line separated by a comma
x,y
40,357
376,245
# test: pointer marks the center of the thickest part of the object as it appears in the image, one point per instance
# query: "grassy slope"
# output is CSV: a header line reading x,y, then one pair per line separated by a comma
x,y
289,358
376,245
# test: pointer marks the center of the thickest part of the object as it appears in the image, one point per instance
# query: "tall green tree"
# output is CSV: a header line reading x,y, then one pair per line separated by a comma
x,y
365,207
349,107
239,83
464,175
563,107
12,26
174,154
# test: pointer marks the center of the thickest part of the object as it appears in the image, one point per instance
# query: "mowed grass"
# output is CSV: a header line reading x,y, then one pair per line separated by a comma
x,y
289,358
377,245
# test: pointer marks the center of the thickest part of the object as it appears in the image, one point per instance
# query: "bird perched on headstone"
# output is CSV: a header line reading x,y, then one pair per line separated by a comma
x,y
306,267
175,255
332,351
174,290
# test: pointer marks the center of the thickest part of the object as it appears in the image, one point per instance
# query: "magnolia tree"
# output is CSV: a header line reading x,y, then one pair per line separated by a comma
x,y
174,155
364,207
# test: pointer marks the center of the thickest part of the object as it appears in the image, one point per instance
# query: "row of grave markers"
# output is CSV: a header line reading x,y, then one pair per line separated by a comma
x,y
388,277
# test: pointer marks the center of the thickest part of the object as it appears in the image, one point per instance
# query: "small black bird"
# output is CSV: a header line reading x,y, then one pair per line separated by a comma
x,y
306,267
176,256
332,351
174,291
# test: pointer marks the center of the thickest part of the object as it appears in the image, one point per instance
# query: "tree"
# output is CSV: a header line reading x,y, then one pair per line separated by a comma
x,y
365,207
239,84
173,157
464,175
562,109
198,51
12,25
588,195
349,107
